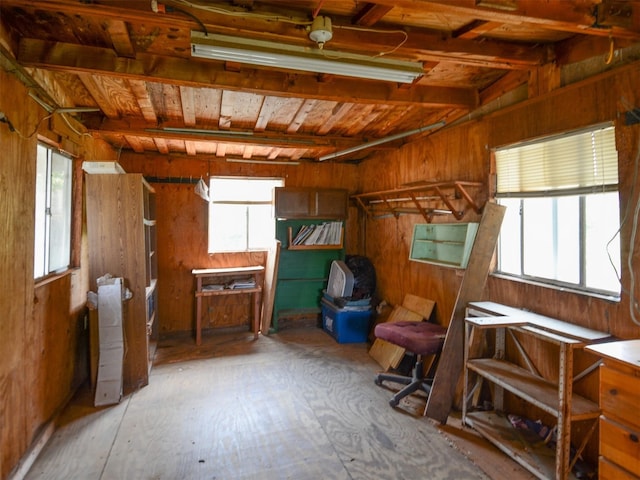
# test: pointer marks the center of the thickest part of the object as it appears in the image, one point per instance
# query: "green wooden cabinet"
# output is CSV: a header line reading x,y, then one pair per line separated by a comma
x,y
302,273
445,244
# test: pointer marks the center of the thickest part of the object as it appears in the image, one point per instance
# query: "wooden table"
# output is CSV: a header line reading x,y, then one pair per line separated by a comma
x,y
208,276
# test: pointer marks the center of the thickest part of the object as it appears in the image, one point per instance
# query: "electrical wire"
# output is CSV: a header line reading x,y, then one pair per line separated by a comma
x,y
71,127
609,58
375,30
633,303
20,134
292,20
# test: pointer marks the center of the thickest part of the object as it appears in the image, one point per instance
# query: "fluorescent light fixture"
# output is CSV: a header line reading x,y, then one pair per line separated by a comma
x,y
265,162
229,134
201,131
380,141
277,55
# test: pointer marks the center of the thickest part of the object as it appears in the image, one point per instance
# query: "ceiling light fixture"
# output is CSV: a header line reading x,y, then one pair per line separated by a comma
x,y
202,131
321,31
265,162
277,55
379,141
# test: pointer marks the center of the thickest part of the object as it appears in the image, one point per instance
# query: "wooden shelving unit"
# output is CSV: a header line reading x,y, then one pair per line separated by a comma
x,y
422,198
555,397
303,270
121,230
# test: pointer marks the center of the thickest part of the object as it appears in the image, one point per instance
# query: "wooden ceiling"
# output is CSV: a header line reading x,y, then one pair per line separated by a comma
x,y
131,62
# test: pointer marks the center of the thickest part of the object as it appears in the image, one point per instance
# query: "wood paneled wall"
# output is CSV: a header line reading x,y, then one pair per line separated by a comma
x,y
43,336
17,178
463,153
182,231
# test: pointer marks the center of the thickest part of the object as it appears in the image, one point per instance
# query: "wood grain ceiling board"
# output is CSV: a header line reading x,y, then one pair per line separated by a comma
x,y
136,66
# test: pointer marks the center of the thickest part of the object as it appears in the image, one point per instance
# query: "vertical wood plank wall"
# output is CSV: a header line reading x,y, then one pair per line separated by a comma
x,y
463,153
43,336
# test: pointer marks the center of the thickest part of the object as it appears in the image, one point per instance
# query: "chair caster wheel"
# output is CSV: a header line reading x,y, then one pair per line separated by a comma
x,y
377,381
393,402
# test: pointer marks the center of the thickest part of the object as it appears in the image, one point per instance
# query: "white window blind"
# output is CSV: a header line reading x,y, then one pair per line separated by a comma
x,y
573,163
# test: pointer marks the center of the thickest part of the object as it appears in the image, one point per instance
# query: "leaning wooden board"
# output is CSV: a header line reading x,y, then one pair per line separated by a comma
x,y
475,276
413,309
270,281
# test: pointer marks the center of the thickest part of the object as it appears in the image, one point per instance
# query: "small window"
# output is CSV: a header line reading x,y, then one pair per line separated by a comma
x,y
562,220
241,213
53,212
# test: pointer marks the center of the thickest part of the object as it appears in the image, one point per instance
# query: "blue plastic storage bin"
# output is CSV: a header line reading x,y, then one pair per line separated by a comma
x,y
346,325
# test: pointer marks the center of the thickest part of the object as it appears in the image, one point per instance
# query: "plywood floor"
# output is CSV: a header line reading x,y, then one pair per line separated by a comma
x,y
292,405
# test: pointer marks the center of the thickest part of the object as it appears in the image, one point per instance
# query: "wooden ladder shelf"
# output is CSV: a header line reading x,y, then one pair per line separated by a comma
x,y
420,198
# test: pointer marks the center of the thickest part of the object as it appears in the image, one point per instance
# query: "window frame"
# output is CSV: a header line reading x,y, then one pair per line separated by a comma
x,y
581,286
211,248
43,213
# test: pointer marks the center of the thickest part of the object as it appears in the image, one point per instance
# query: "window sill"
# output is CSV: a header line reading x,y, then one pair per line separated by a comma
x,y
557,288
41,282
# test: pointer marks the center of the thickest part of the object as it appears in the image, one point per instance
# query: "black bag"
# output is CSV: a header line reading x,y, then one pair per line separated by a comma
x,y
364,276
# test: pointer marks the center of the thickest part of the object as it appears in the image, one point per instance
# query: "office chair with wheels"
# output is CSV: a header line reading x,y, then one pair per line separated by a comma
x,y
419,338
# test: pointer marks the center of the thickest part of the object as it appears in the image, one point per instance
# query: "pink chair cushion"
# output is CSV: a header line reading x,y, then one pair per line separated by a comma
x,y
421,338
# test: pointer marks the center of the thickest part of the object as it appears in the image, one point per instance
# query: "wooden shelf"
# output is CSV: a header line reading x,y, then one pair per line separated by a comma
x,y
535,390
291,246
555,397
535,457
423,198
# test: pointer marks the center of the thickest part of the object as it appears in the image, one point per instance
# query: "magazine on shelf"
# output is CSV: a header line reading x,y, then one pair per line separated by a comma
x,y
327,233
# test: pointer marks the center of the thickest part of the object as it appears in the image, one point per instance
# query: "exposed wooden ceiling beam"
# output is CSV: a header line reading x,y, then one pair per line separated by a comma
x,y
551,14
120,37
422,45
370,14
78,59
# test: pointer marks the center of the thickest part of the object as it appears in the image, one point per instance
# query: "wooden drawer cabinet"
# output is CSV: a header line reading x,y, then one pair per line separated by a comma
x,y
608,470
620,444
619,396
619,399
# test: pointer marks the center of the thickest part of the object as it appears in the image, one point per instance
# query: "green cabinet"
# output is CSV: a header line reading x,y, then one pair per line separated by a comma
x,y
445,244
302,272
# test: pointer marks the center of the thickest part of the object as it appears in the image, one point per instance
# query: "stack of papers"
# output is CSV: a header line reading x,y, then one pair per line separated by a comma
x,y
246,283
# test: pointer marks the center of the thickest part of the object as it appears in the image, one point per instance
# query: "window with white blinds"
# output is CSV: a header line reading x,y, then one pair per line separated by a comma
x,y
574,163
563,211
